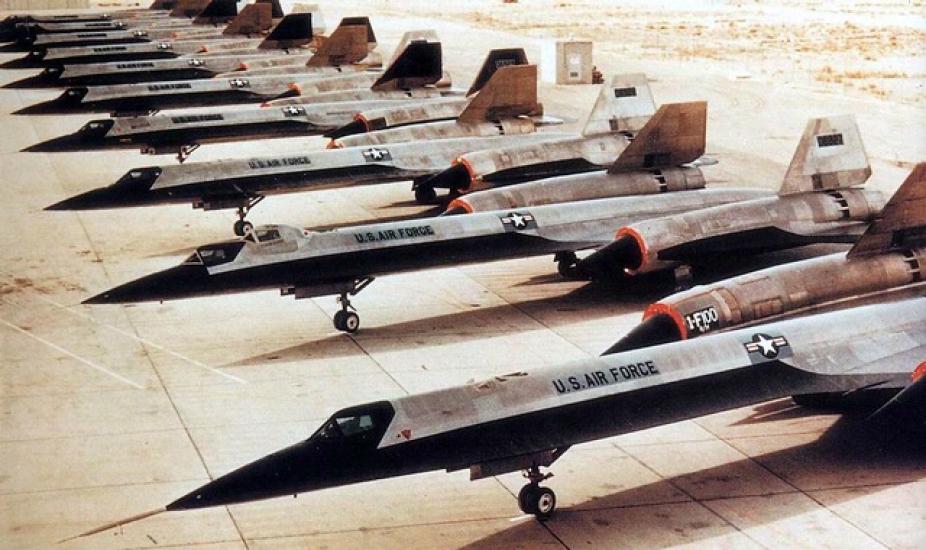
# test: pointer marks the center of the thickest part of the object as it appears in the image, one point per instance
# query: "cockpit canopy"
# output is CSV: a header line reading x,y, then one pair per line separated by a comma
x,y
275,236
215,254
362,422
96,128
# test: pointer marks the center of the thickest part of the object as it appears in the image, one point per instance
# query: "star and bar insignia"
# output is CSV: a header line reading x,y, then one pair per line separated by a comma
x,y
515,221
763,347
375,154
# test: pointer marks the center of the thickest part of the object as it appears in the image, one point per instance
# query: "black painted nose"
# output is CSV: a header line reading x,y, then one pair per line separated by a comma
x,y
182,281
67,102
132,189
285,472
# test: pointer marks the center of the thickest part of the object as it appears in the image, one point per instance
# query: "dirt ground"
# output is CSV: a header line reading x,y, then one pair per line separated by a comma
x,y
110,411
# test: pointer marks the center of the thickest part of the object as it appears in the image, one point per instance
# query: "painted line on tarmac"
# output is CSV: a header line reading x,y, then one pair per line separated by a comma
x,y
142,340
59,349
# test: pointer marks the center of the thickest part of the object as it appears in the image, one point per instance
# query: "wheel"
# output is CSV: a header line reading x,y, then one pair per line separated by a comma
x,y
425,194
241,227
339,320
544,503
527,498
351,322
567,270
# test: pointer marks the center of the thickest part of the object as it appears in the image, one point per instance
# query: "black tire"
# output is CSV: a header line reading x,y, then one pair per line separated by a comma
x,y
351,322
527,499
544,503
238,228
339,320
567,270
425,195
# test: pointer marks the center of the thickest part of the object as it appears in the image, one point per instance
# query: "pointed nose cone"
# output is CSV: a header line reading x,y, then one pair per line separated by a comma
x,y
96,199
91,136
67,102
70,142
29,61
286,472
132,189
183,281
45,79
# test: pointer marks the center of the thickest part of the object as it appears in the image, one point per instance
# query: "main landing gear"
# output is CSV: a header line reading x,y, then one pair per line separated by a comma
x,y
567,264
534,499
242,226
424,194
347,320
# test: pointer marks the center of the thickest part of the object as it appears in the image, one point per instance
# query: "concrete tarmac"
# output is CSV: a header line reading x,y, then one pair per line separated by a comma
x,y
109,411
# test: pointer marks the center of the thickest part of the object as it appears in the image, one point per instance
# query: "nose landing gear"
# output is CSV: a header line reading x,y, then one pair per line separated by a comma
x,y
534,499
184,152
347,320
243,226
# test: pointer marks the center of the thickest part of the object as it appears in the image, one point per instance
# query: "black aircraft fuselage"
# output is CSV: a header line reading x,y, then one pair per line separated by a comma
x,y
336,455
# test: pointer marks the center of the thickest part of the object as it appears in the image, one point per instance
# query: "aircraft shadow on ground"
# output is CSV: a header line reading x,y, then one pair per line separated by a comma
x,y
592,301
850,444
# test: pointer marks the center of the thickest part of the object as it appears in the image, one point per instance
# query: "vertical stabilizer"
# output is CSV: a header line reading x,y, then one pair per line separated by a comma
x,y
419,63
349,43
675,135
902,223
426,35
189,8
253,19
218,11
829,156
292,31
623,106
494,61
510,92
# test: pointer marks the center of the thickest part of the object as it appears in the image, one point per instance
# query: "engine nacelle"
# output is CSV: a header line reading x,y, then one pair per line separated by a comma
x,y
787,289
580,187
786,221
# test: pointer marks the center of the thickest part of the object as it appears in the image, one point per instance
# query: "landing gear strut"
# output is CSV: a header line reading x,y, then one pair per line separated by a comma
x,y
242,226
567,265
424,194
185,151
534,499
346,319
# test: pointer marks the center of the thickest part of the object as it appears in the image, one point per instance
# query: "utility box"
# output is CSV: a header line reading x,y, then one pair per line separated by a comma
x,y
567,62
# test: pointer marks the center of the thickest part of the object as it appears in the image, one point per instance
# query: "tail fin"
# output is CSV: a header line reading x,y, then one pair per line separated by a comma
x,y
189,8
624,106
512,91
361,22
162,5
829,156
902,223
676,134
253,19
349,43
494,61
276,10
292,31
418,63
216,12
410,36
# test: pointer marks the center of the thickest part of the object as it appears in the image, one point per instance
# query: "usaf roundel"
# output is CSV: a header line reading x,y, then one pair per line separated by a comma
x,y
518,221
375,154
764,347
